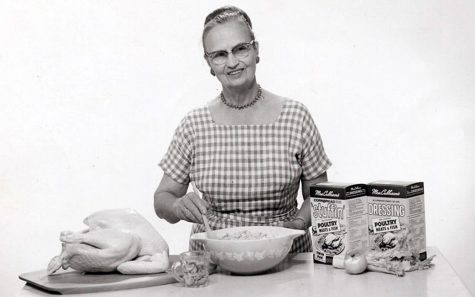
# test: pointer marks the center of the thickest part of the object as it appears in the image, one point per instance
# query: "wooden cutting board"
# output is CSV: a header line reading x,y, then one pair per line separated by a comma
x,y
74,282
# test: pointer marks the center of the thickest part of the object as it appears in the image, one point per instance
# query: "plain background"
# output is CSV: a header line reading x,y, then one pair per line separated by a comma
x,y
91,92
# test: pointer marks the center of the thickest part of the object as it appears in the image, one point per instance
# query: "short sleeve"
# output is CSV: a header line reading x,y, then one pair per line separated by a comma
x,y
313,159
178,159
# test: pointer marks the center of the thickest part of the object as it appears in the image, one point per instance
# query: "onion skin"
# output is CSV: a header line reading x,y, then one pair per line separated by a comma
x,y
355,262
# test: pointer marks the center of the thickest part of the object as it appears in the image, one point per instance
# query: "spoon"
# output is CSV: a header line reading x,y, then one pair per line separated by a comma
x,y
209,231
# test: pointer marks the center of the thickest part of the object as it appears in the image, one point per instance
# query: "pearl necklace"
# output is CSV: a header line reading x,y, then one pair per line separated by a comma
x,y
238,107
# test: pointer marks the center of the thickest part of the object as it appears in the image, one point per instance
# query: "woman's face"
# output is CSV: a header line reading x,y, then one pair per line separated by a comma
x,y
234,72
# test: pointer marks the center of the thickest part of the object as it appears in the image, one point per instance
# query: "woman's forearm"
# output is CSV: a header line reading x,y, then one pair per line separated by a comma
x,y
304,211
164,206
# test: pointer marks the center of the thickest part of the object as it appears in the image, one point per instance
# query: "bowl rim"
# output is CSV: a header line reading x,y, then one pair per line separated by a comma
x,y
292,233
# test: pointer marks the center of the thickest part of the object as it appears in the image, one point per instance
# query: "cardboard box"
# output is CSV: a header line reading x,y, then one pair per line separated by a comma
x,y
339,219
396,216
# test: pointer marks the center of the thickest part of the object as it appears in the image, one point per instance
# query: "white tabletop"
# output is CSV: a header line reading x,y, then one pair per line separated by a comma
x,y
302,277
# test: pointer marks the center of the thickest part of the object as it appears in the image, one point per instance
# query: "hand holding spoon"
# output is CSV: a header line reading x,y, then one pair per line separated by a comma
x,y
209,231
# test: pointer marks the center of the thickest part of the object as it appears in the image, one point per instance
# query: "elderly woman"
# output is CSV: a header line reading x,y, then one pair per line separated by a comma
x,y
247,150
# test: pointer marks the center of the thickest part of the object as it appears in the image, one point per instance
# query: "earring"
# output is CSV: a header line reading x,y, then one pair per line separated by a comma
x,y
258,59
212,72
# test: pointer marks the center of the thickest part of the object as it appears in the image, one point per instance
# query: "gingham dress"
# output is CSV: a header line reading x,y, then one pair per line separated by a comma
x,y
249,174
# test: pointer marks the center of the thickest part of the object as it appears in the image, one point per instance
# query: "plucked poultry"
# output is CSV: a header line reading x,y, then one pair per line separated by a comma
x,y
117,239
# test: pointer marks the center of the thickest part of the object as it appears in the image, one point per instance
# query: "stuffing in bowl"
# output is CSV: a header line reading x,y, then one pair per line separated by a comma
x,y
249,250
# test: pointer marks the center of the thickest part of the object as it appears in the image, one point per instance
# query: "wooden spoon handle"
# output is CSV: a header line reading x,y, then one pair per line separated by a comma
x,y
196,191
209,231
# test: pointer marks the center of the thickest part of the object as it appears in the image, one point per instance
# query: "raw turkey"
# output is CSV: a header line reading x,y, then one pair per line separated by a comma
x,y
117,239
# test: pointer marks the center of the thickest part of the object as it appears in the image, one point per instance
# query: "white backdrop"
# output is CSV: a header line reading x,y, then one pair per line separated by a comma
x,y
91,92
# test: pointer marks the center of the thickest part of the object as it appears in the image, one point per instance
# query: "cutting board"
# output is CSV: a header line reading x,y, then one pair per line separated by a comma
x,y
74,282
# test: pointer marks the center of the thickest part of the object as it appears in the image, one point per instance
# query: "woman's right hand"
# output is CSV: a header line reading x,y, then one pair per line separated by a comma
x,y
190,208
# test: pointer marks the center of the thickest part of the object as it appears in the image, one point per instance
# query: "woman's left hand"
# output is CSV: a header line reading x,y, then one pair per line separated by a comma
x,y
297,223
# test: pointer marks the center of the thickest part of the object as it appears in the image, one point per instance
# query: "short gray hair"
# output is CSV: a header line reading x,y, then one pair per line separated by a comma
x,y
225,14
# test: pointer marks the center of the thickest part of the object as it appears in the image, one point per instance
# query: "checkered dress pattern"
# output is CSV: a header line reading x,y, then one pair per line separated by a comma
x,y
249,174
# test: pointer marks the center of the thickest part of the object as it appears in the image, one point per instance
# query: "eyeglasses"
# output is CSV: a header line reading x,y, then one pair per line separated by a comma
x,y
240,51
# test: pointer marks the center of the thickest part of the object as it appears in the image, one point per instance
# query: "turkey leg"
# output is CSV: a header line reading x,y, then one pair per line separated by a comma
x,y
100,250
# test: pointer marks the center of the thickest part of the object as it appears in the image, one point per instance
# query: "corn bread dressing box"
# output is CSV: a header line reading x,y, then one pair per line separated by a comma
x,y
396,217
339,219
